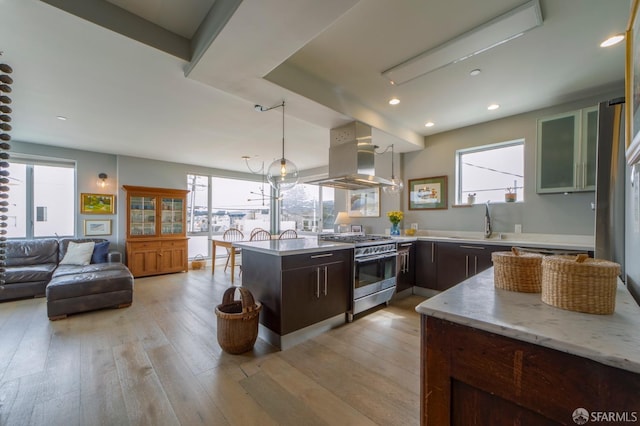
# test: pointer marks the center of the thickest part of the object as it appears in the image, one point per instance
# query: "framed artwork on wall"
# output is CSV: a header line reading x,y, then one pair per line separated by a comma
x,y
428,193
97,203
97,227
632,80
363,202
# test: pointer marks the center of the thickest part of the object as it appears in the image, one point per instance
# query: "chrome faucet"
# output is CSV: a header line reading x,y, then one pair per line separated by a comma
x,y
487,221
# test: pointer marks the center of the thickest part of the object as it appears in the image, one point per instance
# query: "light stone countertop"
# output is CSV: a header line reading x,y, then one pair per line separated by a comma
x,y
547,241
292,246
612,340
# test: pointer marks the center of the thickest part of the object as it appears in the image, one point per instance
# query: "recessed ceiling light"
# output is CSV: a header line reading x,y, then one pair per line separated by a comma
x,y
475,72
493,106
429,124
612,40
61,118
394,101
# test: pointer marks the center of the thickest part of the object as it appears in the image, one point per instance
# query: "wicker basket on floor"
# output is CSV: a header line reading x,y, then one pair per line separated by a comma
x,y
579,283
517,271
198,262
238,321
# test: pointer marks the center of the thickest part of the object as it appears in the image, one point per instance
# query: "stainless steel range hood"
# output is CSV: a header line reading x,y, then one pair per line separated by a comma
x,y
352,159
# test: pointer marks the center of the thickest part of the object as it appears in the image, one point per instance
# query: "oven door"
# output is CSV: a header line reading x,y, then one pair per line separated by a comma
x,y
374,273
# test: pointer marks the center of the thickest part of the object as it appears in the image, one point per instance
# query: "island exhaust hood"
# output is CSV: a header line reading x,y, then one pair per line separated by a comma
x,y
352,159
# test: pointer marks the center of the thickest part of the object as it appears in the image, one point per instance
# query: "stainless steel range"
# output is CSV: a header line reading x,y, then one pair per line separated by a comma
x,y
374,269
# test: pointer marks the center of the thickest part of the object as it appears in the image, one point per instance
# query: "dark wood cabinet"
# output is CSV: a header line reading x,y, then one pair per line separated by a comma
x,y
470,376
406,266
457,262
441,265
298,290
426,274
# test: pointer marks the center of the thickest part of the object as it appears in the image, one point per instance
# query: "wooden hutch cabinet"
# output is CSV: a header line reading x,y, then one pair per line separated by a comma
x,y
156,230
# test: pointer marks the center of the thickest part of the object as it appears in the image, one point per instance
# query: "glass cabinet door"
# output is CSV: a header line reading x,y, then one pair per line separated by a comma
x,y
172,214
142,216
557,147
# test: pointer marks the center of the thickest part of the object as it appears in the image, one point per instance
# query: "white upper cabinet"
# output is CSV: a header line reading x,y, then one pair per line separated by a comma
x,y
566,152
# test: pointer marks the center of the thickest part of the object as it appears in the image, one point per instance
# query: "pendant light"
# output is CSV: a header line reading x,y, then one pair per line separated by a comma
x,y
396,184
282,174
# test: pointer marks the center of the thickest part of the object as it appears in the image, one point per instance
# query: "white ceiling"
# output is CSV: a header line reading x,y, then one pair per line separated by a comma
x,y
181,83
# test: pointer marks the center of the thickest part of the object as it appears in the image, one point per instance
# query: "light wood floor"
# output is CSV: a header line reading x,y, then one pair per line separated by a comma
x,y
158,363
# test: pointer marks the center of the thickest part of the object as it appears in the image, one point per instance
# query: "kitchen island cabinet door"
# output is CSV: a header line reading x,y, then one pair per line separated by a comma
x,y
426,274
313,294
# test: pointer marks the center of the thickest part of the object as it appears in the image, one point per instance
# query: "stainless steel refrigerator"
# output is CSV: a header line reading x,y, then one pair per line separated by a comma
x,y
617,233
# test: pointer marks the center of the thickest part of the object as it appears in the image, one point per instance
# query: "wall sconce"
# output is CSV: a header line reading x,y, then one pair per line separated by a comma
x,y
102,180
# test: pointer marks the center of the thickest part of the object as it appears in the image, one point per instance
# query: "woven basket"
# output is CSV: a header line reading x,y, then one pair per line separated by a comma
x,y
198,262
579,283
517,271
237,321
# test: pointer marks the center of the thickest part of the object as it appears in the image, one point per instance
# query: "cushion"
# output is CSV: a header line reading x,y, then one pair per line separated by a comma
x,y
78,253
100,252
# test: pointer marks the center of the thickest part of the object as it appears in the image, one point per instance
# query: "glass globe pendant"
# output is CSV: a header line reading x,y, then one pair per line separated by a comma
x,y
282,174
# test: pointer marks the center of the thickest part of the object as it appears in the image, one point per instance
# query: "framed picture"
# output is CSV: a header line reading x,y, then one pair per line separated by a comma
x,y
356,228
632,79
428,193
97,203
363,202
97,227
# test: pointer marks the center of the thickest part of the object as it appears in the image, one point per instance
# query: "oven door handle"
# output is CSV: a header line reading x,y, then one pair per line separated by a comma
x,y
370,258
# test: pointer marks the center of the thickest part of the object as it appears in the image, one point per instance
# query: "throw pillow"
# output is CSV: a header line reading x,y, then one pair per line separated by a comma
x,y
100,252
78,253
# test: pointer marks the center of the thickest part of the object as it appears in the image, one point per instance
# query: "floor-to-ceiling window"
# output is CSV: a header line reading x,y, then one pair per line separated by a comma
x,y
216,204
41,198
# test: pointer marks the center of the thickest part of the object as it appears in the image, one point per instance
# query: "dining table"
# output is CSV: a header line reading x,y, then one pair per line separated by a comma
x,y
227,244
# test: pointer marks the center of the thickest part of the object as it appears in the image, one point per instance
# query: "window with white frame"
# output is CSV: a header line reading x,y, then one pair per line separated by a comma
x,y
489,172
41,198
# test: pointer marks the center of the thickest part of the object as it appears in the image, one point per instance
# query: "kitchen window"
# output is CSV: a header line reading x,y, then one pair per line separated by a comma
x,y
41,199
490,173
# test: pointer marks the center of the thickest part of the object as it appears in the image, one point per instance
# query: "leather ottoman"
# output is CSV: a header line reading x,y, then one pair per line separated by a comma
x,y
93,287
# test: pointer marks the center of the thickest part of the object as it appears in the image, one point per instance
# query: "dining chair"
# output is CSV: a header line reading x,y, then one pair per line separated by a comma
x,y
232,234
288,234
260,235
254,230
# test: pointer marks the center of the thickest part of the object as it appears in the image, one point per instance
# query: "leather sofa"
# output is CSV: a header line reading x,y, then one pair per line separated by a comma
x,y
34,270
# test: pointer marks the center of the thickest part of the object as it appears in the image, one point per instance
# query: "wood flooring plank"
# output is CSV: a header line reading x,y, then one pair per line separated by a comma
x,y
404,376
190,402
239,408
324,404
18,397
61,411
281,405
101,398
145,399
13,330
384,402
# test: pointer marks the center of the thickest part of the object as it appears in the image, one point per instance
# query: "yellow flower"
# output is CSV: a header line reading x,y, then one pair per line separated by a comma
x,y
395,216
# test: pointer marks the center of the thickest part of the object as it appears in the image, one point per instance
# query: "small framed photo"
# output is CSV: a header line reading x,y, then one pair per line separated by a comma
x,y
356,228
364,202
97,203
97,227
428,193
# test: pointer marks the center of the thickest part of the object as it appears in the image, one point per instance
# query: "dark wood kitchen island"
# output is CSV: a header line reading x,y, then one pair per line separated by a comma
x,y
495,357
304,286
